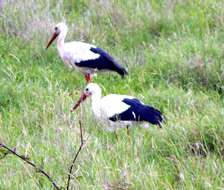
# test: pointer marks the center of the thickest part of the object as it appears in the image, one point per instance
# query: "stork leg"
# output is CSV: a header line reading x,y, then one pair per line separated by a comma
x,y
127,127
115,133
88,77
127,130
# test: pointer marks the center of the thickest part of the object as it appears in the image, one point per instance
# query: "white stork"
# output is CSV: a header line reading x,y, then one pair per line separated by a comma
x,y
117,111
85,57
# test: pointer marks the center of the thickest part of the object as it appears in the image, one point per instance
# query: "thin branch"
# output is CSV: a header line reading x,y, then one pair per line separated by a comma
x,y
32,164
4,154
76,155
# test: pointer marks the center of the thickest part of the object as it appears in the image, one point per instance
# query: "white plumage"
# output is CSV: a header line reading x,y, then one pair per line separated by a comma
x,y
107,107
81,52
81,56
117,111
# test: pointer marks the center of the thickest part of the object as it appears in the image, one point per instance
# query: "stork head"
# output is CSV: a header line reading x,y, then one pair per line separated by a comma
x,y
59,29
92,89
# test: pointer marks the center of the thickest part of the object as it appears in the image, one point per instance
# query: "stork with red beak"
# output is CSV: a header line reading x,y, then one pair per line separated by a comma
x,y
86,58
117,111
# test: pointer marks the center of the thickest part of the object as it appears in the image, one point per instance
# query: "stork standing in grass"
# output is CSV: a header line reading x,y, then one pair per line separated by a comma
x,y
84,57
117,111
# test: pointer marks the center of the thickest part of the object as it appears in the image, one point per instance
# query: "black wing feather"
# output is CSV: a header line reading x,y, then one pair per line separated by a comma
x,y
104,62
139,112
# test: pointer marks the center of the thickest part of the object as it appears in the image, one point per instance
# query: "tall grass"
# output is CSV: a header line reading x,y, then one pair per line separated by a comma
x,y
29,19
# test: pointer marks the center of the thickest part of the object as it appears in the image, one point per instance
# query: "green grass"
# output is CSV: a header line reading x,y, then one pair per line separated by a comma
x,y
174,54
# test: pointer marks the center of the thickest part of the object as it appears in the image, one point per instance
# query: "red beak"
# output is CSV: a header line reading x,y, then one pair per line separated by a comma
x,y
54,35
81,99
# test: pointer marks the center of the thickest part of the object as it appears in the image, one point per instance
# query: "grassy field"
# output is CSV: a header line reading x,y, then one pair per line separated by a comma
x,y
174,52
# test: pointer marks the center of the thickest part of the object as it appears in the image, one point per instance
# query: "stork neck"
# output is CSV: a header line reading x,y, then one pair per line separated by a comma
x,y
96,98
95,103
61,41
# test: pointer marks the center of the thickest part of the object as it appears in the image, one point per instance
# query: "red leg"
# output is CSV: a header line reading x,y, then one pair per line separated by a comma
x,y
87,77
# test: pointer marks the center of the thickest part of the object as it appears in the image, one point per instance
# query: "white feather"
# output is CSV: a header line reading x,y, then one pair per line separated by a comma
x,y
78,51
108,106
112,104
74,52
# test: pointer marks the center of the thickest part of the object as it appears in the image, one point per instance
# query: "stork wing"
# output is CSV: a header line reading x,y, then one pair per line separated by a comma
x,y
112,104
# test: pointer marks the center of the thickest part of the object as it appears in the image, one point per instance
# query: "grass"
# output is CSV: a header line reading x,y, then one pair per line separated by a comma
x,y
174,54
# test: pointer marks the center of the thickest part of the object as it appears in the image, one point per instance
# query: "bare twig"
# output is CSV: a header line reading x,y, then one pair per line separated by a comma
x,y
26,159
32,164
76,155
4,154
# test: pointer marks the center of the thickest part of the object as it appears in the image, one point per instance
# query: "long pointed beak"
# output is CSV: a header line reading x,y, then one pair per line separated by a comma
x,y
81,99
54,35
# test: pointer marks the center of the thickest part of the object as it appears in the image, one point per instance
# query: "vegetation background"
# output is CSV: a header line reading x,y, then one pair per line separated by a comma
x,y
174,52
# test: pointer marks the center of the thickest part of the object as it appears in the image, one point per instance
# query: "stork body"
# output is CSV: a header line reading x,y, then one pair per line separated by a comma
x,y
84,57
117,111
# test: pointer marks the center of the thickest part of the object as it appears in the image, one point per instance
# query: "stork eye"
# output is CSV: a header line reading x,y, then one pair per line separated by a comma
x,y
87,89
56,28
